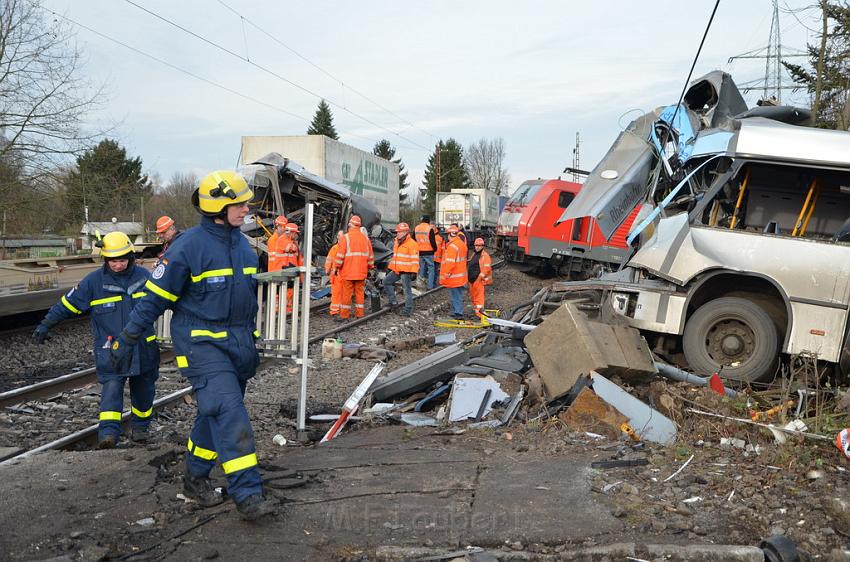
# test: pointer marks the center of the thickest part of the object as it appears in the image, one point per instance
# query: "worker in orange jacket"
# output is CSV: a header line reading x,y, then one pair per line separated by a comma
x,y
480,273
453,271
291,256
336,284
274,246
404,266
354,259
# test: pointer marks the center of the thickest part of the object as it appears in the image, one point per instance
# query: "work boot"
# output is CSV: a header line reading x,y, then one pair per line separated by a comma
x,y
140,434
255,506
107,442
201,490
340,319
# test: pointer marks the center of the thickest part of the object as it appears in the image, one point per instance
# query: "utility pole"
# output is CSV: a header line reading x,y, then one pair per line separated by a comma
x,y
439,170
576,158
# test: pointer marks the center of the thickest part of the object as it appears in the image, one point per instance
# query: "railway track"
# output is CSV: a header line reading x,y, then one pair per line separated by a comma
x,y
80,379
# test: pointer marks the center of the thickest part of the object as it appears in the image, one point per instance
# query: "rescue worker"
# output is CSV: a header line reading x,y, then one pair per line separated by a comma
x,y
403,266
480,273
336,285
206,279
453,271
109,294
274,246
167,231
438,254
426,240
291,257
354,259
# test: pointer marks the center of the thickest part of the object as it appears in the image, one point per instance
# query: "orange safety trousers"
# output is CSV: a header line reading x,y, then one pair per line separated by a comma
x,y
336,294
476,295
357,289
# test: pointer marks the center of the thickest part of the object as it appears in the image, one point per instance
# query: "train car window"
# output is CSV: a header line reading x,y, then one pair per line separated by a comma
x,y
565,198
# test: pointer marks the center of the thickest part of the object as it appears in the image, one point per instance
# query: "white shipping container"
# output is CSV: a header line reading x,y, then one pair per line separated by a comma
x,y
460,208
365,174
484,201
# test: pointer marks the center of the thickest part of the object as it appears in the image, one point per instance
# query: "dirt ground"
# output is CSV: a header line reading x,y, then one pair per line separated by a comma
x,y
386,492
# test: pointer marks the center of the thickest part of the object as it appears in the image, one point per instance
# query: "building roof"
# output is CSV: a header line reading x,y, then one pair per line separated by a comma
x,y
29,243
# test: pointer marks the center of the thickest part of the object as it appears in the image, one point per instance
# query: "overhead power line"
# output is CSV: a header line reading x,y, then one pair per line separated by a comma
x,y
187,72
273,73
322,70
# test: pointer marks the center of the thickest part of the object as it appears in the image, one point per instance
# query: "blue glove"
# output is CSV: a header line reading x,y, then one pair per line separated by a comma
x,y
40,333
121,352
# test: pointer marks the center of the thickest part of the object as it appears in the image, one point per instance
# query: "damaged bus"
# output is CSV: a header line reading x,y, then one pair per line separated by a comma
x,y
741,251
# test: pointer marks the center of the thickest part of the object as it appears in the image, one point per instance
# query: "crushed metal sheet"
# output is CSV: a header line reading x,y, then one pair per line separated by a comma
x,y
467,396
648,423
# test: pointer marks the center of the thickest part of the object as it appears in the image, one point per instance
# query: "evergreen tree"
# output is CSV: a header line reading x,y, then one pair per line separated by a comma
x,y
385,150
828,75
452,173
323,122
109,182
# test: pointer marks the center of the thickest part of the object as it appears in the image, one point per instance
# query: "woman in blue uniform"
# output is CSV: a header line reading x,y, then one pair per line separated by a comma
x,y
206,278
109,294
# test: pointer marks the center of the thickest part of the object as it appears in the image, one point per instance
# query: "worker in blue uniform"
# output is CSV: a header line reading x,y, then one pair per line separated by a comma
x,y
206,279
109,294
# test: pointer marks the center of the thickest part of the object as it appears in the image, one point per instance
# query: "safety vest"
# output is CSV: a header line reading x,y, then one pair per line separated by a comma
x,y
405,256
423,238
109,298
486,266
276,252
291,255
441,248
354,257
329,261
453,267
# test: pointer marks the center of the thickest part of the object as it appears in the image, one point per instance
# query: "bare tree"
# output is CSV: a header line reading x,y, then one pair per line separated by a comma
x,y
43,98
485,165
175,200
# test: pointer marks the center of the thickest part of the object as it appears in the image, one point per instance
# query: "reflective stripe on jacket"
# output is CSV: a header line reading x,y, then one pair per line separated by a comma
x,y
423,238
110,298
276,252
329,261
441,248
405,256
354,257
486,266
453,267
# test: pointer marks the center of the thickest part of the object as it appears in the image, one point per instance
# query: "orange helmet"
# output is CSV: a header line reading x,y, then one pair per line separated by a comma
x,y
280,221
291,227
163,223
452,229
402,227
355,221
479,242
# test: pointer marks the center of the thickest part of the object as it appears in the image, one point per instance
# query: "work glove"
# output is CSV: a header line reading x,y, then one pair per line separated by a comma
x,y
121,352
41,333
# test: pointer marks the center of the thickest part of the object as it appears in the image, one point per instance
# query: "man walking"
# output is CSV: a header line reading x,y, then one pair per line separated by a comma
x,y
404,266
207,280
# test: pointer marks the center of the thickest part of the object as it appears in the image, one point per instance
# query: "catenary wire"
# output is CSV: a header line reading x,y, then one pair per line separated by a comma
x,y
273,73
322,70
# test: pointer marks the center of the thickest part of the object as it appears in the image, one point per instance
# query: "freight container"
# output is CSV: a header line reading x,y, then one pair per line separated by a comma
x,y
365,174
474,208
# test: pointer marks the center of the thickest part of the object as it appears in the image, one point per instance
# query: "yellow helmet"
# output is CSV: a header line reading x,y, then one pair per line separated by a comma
x,y
220,189
116,245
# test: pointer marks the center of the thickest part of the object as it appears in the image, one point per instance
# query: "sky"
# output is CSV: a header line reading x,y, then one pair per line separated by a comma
x,y
533,73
